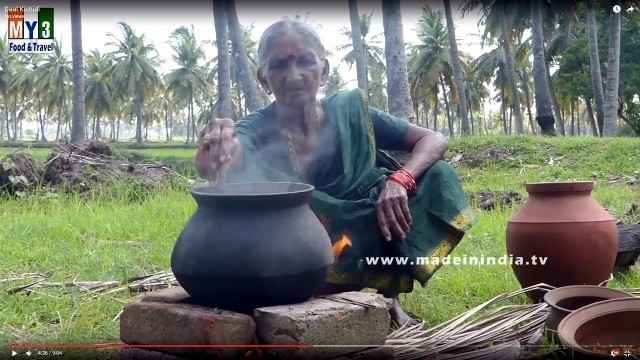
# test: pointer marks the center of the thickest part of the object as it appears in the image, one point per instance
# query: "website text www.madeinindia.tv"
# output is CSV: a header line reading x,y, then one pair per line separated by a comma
x,y
457,260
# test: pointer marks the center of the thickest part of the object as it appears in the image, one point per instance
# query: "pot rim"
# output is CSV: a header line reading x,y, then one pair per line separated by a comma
x,y
573,321
559,186
588,291
303,189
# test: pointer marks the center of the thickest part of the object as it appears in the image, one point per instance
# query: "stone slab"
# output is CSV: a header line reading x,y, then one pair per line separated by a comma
x,y
155,323
171,295
352,318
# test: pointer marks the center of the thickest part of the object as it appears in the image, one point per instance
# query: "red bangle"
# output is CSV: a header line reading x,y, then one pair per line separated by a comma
x,y
404,178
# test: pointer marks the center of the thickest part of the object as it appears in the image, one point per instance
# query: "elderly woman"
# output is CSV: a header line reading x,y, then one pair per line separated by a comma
x,y
335,143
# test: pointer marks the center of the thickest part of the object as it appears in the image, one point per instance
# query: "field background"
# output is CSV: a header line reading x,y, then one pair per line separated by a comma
x,y
131,233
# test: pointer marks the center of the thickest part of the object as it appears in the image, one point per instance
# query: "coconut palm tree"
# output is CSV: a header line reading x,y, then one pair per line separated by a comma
x,y
190,76
334,84
358,46
99,96
133,72
372,51
224,71
246,76
78,121
544,112
457,70
500,18
55,76
400,103
8,63
594,61
610,127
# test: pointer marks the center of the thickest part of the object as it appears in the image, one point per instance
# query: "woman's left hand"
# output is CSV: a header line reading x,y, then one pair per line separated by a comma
x,y
393,210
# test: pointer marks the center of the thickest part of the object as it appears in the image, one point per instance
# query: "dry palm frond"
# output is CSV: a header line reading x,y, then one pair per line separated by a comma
x,y
136,284
477,333
484,332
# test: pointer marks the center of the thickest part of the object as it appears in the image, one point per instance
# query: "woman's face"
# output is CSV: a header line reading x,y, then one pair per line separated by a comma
x,y
293,72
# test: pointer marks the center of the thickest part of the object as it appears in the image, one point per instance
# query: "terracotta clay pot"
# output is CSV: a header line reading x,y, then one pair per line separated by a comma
x,y
562,225
564,300
597,329
252,245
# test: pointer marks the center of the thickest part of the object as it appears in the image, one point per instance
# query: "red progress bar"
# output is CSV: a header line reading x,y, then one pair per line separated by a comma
x,y
116,346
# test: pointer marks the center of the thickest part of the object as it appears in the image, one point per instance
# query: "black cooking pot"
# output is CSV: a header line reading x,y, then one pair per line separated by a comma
x,y
252,245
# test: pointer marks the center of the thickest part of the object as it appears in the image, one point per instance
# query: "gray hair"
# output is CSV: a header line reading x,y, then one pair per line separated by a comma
x,y
284,26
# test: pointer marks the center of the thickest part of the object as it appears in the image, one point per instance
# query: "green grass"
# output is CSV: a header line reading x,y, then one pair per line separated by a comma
x,y
65,233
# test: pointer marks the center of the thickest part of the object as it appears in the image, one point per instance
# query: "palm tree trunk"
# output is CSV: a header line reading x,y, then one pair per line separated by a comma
x,y
78,118
471,121
166,120
572,132
193,121
527,96
400,103
59,131
43,138
592,121
118,129
511,72
358,47
14,114
224,69
610,127
246,76
544,112
447,108
554,99
435,109
457,70
93,126
425,110
578,119
138,107
2,120
98,131
170,125
594,62
6,115
189,117
503,108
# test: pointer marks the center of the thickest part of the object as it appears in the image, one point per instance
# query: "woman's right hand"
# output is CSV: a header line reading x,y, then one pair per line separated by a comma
x,y
219,146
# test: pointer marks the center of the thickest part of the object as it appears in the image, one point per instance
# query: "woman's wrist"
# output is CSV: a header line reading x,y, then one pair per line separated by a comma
x,y
404,178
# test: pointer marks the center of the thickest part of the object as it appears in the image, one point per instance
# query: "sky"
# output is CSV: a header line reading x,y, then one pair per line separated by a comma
x,y
157,21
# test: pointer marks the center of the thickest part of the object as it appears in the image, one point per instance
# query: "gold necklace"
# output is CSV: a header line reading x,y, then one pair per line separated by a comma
x,y
292,154
310,110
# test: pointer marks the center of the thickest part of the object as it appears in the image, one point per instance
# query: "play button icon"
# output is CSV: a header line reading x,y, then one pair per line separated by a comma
x,y
13,353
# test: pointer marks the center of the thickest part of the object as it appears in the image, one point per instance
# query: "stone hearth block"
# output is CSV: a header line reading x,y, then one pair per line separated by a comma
x,y
325,321
172,295
155,323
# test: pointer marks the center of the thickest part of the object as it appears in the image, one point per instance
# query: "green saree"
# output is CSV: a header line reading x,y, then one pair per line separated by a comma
x,y
348,182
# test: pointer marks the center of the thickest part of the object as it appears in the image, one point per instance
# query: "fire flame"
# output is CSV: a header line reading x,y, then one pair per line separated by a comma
x,y
253,354
339,246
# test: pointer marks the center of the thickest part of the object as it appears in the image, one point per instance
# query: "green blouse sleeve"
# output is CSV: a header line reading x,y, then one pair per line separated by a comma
x,y
389,130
